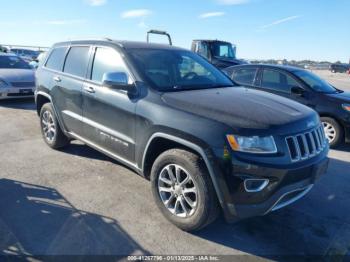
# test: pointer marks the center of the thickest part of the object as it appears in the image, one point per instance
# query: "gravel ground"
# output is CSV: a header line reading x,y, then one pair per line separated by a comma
x,y
339,80
79,202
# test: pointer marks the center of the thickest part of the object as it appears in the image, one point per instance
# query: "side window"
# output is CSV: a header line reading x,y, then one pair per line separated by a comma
x,y
77,61
228,72
291,82
202,49
56,58
244,76
107,60
277,81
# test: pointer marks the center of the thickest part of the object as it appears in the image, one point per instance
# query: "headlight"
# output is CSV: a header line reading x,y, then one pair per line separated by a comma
x,y
3,84
252,144
346,107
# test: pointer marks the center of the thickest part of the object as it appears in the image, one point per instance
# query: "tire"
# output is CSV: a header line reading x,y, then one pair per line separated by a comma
x,y
333,129
204,208
48,121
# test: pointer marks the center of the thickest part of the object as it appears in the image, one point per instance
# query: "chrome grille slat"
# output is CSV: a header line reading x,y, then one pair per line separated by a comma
x,y
306,145
318,145
313,152
307,151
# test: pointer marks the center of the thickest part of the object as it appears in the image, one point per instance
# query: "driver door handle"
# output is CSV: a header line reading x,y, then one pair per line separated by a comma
x,y
89,89
57,79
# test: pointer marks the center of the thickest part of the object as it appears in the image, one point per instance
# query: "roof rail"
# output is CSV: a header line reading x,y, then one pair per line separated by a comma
x,y
89,39
158,32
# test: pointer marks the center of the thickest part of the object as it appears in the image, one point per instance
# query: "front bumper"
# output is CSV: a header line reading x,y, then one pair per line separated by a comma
x,y
9,93
285,186
347,131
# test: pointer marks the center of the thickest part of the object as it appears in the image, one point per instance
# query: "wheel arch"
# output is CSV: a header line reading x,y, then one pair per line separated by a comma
x,y
333,117
156,139
41,99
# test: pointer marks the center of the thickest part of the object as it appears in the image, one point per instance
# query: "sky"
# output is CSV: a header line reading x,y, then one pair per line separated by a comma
x,y
261,29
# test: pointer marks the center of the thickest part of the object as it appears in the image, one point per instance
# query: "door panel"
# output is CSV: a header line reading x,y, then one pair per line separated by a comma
x,y
108,118
67,87
108,115
280,83
68,101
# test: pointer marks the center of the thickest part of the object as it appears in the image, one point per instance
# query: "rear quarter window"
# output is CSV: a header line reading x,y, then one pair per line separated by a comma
x,y
244,76
77,61
56,58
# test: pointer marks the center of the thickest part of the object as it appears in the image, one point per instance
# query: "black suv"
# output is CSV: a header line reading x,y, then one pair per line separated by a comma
x,y
175,119
332,104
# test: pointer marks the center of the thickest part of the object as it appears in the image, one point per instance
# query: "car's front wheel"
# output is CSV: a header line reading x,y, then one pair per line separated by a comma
x,y
50,129
183,190
333,131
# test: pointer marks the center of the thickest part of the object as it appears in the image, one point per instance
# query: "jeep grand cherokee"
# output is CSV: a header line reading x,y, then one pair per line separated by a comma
x,y
205,144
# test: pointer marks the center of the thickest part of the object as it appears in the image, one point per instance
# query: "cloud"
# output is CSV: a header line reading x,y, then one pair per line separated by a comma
x,y
284,20
136,13
233,2
66,22
211,14
96,2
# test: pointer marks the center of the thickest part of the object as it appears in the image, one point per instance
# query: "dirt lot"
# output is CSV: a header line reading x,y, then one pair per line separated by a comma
x,y
77,201
339,80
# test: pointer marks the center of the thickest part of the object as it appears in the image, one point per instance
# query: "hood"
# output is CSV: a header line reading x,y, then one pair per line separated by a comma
x,y
227,62
17,75
343,97
243,108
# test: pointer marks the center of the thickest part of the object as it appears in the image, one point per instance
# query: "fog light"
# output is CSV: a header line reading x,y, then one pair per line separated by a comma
x,y
255,185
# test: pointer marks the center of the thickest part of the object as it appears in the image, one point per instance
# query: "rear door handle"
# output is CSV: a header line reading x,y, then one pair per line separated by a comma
x,y
89,89
57,79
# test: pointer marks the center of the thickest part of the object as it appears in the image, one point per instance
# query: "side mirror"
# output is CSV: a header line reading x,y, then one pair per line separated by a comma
x,y
296,90
117,80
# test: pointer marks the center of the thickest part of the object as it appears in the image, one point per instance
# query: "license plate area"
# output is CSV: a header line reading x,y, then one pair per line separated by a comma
x,y
25,91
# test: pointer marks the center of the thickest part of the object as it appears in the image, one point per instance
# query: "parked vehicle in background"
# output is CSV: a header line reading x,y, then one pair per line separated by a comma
x,y
16,77
339,68
3,49
221,54
332,104
36,62
174,118
26,54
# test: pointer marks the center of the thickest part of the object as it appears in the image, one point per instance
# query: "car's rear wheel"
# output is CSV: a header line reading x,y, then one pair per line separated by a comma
x,y
333,131
50,129
183,190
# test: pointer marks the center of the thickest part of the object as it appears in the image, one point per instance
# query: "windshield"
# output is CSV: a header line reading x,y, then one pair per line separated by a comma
x,y
173,70
315,82
223,50
12,62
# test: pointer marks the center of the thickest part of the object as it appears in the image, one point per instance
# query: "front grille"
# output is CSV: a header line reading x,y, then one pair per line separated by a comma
x,y
23,84
20,94
306,145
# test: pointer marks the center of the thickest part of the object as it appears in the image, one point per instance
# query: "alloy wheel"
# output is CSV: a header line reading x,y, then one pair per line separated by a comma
x,y
178,191
48,126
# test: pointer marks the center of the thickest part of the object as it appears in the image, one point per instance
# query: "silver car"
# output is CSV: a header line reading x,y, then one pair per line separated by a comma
x,y
16,77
